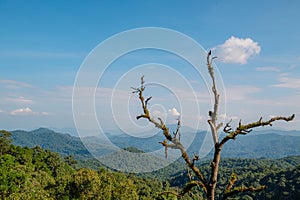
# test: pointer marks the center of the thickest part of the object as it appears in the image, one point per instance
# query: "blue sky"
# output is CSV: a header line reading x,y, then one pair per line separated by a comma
x,y
44,43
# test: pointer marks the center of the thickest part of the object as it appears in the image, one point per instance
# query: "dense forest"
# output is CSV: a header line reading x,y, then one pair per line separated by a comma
x,y
37,173
34,173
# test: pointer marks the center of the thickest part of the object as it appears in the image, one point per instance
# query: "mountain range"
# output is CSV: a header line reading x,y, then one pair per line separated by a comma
x,y
267,143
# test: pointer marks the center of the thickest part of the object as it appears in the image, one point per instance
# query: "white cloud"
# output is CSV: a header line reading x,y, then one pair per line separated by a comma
x,y
237,50
268,69
22,111
27,111
286,82
174,112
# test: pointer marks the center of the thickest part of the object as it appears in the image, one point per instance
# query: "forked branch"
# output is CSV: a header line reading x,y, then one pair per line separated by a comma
x,y
245,129
170,141
213,114
173,141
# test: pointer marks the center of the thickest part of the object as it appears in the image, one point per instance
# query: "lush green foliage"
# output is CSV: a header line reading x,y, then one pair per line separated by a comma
x,y
281,176
35,173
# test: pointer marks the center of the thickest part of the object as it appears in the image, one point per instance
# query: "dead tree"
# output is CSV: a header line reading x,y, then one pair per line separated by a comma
x,y
172,141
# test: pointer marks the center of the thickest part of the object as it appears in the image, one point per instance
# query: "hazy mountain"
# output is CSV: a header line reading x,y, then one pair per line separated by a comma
x,y
271,144
279,132
70,131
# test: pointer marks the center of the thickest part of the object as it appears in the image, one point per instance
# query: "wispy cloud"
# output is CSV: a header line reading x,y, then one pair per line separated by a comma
x,y
12,84
268,69
45,113
27,111
20,100
107,94
286,82
201,97
240,92
228,117
237,50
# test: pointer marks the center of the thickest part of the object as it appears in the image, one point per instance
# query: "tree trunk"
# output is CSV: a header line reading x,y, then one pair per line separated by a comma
x,y
214,173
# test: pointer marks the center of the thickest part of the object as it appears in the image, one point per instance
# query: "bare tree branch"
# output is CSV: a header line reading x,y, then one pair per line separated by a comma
x,y
238,190
195,158
214,130
174,142
213,114
231,182
178,129
245,129
233,178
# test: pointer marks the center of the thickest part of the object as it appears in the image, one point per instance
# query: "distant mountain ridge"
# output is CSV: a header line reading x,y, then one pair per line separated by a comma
x,y
267,143
61,143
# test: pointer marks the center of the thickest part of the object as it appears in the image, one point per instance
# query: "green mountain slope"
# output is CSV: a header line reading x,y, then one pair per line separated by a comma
x,y
281,176
63,144
271,144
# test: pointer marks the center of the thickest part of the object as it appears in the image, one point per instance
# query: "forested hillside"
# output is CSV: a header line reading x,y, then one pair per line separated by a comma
x,y
281,176
63,144
35,173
